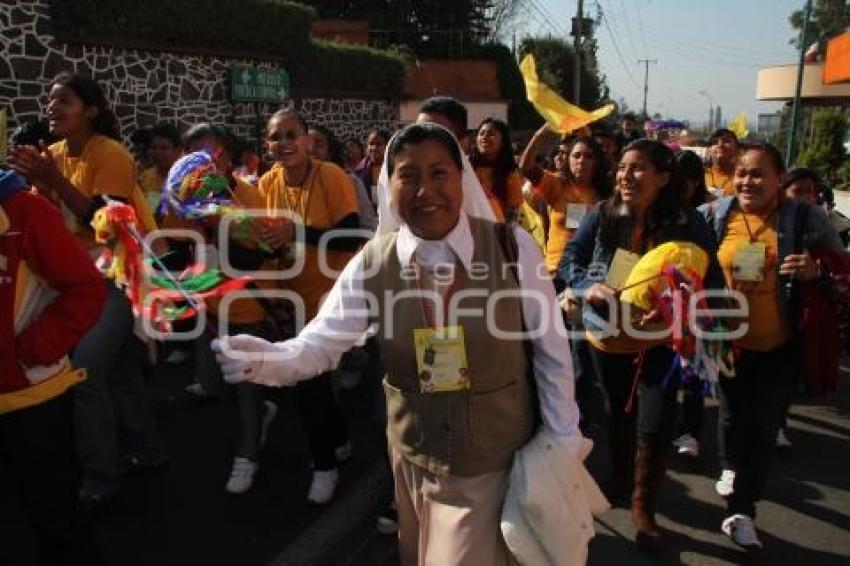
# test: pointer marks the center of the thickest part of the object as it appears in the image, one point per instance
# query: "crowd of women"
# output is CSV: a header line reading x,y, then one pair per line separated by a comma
x,y
434,196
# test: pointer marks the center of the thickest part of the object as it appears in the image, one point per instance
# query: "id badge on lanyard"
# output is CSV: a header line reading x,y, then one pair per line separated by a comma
x,y
749,262
621,267
441,359
575,214
441,362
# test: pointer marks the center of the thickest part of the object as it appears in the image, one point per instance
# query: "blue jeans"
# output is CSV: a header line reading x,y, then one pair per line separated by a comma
x,y
113,395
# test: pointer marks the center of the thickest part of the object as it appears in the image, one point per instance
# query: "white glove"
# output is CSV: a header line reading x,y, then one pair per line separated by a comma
x,y
243,357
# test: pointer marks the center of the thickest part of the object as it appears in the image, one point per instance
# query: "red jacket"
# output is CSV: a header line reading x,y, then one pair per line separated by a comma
x,y
50,295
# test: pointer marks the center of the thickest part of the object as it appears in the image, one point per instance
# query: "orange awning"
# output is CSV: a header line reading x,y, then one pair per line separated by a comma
x,y
837,68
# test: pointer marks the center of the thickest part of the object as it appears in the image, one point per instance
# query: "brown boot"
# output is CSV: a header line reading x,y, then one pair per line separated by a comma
x,y
650,468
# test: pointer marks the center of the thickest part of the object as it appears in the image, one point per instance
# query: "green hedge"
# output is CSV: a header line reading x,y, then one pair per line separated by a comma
x,y
261,29
351,68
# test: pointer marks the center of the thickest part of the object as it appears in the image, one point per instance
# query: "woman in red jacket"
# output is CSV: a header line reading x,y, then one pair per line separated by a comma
x,y
50,295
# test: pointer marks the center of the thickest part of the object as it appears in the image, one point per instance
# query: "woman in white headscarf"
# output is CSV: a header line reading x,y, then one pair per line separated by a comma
x,y
450,294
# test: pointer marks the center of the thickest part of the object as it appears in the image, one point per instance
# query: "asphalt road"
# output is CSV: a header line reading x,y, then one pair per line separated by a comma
x,y
181,515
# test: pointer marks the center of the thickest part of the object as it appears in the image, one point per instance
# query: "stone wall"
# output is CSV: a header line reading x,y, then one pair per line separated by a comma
x,y
146,86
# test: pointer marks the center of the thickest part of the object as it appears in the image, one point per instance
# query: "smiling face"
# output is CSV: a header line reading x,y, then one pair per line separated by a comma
x,y
288,141
638,181
582,163
426,189
489,140
757,181
67,113
725,149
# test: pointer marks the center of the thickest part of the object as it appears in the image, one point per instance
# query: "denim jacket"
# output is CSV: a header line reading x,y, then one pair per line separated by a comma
x,y
813,227
586,258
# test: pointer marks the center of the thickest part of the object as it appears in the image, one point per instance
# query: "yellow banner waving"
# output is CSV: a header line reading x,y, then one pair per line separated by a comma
x,y
739,126
561,116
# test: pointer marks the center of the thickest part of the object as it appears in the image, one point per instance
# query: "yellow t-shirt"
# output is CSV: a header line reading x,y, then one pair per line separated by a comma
x,y
559,194
104,168
514,190
767,329
151,182
714,177
326,197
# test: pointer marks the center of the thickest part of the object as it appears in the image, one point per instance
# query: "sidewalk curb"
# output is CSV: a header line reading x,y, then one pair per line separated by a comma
x,y
333,538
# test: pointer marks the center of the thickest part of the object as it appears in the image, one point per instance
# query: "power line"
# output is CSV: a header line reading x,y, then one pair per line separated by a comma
x,y
639,12
628,26
541,7
619,53
542,25
548,19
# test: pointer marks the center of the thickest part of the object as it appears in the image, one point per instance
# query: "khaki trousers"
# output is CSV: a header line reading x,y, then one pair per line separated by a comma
x,y
449,520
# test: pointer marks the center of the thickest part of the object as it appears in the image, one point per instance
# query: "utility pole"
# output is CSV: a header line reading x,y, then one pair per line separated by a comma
x,y
791,153
646,63
579,21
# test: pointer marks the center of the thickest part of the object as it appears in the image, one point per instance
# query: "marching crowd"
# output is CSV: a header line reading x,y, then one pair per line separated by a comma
x,y
416,253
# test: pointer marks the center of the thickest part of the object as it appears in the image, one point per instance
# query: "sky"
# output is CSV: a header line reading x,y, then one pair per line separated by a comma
x,y
715,46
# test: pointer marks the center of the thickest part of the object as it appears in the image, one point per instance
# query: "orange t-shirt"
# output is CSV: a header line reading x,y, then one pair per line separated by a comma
x,y
767,328
716,178
513,198
568,203
326,197
104,168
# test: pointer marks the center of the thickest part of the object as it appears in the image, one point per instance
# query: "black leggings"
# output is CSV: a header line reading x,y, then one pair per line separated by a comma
x,y
753,405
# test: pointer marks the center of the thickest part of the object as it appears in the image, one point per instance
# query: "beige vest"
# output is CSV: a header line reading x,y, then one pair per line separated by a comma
x,y
465,432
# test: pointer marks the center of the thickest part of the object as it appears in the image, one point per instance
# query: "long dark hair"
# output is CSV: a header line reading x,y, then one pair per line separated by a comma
x,y
691,168
665,213
601,181
91,94
503,165
336,151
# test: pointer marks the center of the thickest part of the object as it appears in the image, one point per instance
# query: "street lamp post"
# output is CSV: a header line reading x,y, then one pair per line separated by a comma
x,y
709,124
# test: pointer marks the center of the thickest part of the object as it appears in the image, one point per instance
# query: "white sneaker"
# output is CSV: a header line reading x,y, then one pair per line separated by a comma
x,y
268,419
726,484
687,445
176,357
782,441
196,389
323,486
241,475
742,530
343,452
387,523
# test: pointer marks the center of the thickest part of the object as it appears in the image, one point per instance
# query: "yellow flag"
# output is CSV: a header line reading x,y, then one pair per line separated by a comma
x,y
561,116
739,126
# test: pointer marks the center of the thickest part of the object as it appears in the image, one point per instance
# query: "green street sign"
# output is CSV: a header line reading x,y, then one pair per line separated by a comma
x,y
250,84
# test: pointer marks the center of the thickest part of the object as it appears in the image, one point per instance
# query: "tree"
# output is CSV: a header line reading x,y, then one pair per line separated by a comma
x,y
825,153
829,18
428,28
554,58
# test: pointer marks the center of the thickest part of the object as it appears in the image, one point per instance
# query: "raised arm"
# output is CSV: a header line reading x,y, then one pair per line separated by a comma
x,y
341,321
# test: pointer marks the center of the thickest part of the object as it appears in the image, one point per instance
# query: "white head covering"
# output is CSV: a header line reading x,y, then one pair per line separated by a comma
x,y
475,202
